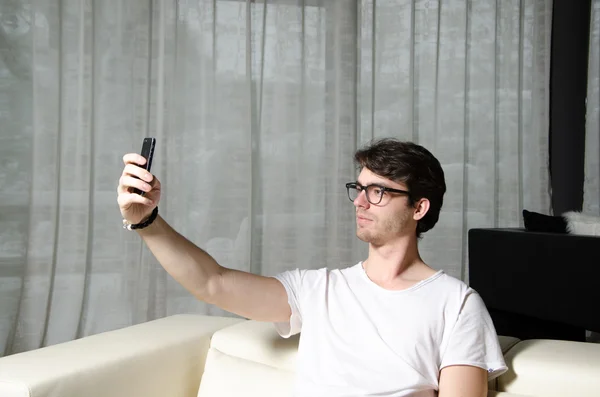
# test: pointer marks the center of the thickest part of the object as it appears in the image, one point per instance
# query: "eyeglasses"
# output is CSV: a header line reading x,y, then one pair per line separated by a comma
x,y
374,192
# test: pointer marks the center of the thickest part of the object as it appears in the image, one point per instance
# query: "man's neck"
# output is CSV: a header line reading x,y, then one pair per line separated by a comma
x,y
396,265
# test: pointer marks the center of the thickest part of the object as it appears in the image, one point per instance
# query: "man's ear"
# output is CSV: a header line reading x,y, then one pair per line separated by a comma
x,y
421,208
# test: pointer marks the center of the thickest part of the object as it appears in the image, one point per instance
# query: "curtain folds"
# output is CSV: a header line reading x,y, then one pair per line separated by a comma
x,y
257,108
591,184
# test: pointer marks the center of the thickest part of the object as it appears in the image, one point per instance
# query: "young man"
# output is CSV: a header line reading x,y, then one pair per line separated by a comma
x,y
388,326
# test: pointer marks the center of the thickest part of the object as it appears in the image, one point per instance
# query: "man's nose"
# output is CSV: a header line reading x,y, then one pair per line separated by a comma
x,y
361,200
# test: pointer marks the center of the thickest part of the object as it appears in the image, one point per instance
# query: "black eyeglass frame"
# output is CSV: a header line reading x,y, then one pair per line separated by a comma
x,y
356,185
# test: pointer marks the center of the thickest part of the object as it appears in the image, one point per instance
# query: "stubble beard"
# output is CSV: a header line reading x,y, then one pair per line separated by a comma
x,y
377,233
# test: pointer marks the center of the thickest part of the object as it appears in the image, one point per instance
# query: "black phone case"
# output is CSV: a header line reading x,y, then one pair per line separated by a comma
x,y
148,153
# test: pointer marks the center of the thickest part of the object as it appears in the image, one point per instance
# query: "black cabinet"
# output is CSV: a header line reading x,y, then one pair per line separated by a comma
x,y
537,285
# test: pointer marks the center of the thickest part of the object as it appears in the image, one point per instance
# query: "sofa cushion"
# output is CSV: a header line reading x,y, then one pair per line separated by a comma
x,y
259,342
226,375
552,368
249,359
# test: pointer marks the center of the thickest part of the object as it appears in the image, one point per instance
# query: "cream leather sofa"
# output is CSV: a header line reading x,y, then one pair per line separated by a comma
x,y
201,356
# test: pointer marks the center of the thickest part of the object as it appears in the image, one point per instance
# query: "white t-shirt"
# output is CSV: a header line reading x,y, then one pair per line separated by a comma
x,y
359,339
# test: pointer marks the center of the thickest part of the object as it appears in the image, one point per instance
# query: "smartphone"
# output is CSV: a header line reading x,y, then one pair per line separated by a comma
x,y
148,153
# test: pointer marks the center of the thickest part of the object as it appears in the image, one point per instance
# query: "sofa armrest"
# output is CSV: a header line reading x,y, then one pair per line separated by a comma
x,y
159,358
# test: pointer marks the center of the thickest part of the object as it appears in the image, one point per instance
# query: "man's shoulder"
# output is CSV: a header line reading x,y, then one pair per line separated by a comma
x,y
456,290
451,284
452,281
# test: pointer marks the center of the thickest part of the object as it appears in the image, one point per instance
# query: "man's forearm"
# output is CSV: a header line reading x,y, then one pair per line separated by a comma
x,y
185,262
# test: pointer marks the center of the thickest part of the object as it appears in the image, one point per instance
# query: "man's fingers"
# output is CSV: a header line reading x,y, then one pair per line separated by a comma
x,y
134,158
127,181
154,182
132,169
122,189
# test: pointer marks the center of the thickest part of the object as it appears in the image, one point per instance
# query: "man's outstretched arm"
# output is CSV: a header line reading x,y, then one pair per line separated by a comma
x,y
248,295
463,381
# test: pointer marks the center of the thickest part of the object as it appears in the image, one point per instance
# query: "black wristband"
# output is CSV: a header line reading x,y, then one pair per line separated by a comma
x,y
143,224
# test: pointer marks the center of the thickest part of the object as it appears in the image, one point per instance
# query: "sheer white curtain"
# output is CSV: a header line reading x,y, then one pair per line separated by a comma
x,y
591,187
257,109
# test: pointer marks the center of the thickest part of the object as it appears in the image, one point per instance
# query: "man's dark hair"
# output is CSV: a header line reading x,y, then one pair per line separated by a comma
x,y
411,164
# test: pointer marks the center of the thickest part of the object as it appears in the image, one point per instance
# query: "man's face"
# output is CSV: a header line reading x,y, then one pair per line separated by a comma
x,y
391,219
